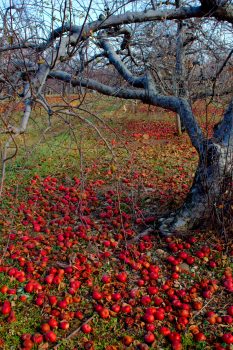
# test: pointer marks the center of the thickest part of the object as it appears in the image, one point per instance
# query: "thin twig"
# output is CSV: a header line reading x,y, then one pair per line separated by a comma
x,y
200,311
73,334
142,234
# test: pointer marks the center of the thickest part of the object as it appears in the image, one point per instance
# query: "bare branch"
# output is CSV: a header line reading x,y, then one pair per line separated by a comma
x,y
148,95
119,65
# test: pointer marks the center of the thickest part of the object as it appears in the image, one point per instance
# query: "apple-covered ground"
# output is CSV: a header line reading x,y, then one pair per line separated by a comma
x,y
76,272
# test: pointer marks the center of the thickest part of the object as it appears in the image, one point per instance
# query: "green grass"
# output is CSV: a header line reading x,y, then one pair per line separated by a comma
x,y
57,154
25,323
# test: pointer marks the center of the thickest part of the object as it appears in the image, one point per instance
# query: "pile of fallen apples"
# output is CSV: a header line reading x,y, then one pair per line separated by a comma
x,y
75,255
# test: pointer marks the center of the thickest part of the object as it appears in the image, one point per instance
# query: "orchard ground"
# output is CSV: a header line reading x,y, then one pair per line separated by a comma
x,y
75,272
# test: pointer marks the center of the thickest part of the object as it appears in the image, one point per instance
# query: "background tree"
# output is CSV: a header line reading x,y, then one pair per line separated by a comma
x,y
167,54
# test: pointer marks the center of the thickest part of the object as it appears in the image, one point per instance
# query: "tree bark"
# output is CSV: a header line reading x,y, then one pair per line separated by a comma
x,y
212,181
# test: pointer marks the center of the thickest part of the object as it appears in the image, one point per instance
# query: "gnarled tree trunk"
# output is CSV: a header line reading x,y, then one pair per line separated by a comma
x,y
212,181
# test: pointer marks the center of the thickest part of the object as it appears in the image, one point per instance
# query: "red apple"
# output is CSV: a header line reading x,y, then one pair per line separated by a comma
x,y
6,307
115,308
64,325
200,336
62,304
86,328
127,340
51,337
165,331
230,310
228,338
122,277
148,318
37,338
97,295
104,313
149,338
53,322
45,327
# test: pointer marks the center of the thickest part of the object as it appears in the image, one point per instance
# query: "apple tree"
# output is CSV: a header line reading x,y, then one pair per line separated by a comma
x,y
165,53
